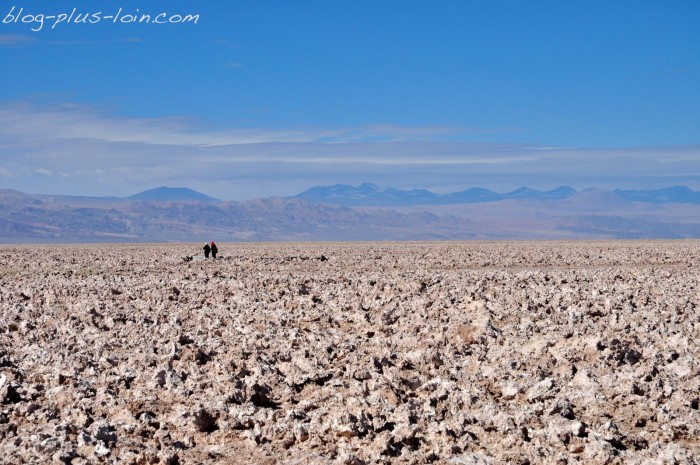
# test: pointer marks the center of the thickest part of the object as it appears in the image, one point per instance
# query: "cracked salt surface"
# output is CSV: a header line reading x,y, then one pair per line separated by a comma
x,y
494,353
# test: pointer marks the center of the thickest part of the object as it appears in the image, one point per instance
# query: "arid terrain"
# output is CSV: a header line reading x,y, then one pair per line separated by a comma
x,y
351,353
344,213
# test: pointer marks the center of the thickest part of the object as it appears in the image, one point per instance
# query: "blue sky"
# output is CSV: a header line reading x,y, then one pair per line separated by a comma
x,y
263,98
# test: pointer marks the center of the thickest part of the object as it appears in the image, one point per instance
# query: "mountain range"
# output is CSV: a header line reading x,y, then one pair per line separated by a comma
x,y
370,195
348,213
172,194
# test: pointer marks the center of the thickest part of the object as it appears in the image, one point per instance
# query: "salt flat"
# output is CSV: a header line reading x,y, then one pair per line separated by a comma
x,y
351,353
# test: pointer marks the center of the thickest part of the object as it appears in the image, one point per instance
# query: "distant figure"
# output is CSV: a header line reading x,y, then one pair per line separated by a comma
x,y
214,249
207,249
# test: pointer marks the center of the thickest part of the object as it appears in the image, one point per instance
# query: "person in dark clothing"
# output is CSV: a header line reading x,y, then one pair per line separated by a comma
x,y
207,249
214,249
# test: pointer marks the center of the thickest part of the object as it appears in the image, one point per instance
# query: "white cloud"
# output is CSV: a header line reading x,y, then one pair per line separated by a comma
x,y
14,40
85,150
71,121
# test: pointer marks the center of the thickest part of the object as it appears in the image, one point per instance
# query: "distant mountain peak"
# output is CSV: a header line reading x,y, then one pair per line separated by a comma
x,y
171,194
675,194
334,194
368,187
563,190
368,194
523,192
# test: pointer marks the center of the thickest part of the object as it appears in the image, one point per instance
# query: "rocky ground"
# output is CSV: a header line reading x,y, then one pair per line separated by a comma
x,y
450,353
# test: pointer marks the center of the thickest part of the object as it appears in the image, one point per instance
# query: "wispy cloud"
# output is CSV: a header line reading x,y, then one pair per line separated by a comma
x,y
22,40
79,149
74,122
128,40
15,40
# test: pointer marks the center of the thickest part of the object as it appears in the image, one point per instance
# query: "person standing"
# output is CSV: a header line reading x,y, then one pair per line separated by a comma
x,y
207,249
214,249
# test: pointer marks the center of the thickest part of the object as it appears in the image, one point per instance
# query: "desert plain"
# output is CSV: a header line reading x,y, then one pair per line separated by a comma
x,y
351,353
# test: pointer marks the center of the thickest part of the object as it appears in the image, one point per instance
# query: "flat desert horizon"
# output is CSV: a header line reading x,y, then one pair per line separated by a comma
x,y
565,352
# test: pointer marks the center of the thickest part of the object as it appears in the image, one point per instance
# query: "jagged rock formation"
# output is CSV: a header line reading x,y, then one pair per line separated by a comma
x,y
453,353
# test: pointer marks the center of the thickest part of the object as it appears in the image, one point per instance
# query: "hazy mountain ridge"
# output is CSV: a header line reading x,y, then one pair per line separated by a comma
x,y
370,195
33,218
158,194
390,214
367,195
675,194
169,194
